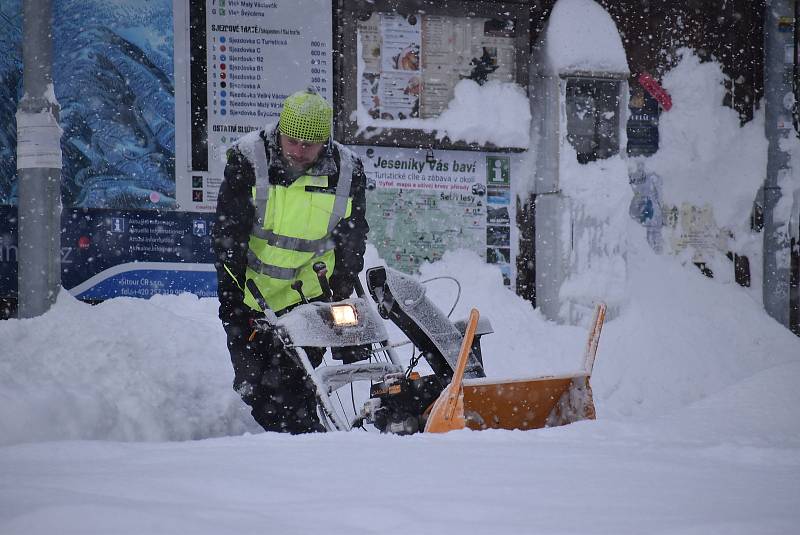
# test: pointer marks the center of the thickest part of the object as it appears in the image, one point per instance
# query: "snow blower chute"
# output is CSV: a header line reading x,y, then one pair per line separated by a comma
x,y
455,395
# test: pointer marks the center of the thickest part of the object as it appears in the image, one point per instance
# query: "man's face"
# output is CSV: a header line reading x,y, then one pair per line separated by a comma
x,y
299,155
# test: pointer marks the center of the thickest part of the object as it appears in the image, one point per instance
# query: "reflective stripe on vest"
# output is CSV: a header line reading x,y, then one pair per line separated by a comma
x,y
261,168
342,192
269,270
295,244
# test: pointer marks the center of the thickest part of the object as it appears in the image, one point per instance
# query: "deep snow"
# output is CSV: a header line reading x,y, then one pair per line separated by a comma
x,y
697,430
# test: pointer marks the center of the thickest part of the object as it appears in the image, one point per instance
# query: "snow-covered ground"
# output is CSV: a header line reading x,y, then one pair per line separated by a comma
x,y
119,418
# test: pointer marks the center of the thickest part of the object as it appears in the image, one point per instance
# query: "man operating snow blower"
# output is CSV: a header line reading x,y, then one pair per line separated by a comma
x,y
291,218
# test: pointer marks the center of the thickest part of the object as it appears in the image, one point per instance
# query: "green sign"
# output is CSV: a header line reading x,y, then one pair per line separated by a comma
x,y
498,170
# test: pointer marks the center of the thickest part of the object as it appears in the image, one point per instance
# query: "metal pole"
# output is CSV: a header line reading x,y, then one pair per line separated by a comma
x,y
794,221
39,167
778,70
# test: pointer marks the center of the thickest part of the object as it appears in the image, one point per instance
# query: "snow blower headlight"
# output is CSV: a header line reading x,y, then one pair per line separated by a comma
x,y
344,315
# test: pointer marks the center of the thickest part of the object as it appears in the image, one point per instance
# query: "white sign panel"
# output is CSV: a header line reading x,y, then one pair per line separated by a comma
x,y
257,53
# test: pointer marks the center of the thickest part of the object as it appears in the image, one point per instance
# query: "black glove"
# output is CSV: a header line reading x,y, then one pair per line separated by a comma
x,y
249,350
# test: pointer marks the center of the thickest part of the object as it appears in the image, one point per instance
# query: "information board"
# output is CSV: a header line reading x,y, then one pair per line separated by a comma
x,y
257,54
642,126
409,66
423,203
406,58
152,95
113,253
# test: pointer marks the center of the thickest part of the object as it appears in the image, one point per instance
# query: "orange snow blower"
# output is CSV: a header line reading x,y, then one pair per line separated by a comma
x,y
402,400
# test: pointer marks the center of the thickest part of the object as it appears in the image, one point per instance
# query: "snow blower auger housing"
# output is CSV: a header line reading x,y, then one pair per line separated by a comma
x,y
455,395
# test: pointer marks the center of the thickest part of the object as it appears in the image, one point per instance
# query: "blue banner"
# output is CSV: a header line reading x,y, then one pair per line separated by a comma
x,y
112,253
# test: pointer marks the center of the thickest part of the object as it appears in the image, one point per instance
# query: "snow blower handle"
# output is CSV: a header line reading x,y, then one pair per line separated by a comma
x,y
259,297
269,316
358,287
322,275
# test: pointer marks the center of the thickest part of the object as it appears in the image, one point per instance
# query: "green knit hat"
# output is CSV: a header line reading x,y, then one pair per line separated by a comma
x,y
306,116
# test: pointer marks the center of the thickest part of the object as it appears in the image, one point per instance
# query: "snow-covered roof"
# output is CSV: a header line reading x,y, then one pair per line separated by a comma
x,y
581,36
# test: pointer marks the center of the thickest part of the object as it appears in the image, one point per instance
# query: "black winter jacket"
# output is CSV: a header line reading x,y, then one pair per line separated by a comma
x,y
236,211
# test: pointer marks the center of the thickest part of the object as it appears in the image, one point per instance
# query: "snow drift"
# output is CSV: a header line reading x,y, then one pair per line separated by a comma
x,y
158,369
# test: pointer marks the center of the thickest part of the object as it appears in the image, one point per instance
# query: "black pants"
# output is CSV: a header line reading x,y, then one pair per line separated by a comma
x,y
273,383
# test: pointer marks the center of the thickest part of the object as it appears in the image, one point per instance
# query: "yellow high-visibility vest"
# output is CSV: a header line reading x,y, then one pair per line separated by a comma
x,y
292,231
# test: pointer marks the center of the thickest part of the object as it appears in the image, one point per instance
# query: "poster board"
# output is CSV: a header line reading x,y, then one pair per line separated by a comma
x,y
407,62
408,66
240,83
423,203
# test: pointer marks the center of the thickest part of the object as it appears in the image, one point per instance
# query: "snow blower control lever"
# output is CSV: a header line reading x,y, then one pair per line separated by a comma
x,y
297,286
259,297
322,276
269,316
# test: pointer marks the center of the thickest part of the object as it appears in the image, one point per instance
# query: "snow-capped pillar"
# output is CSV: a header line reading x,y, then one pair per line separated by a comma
x,y
579,94
778,52
39,166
